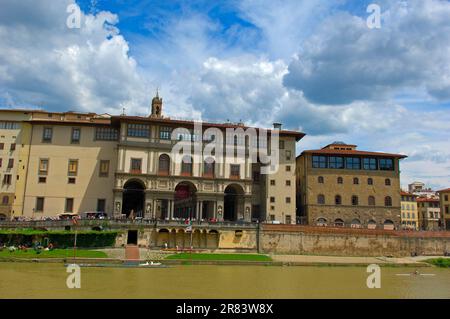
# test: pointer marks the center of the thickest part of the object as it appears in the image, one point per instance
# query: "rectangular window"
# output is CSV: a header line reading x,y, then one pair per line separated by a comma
x,y
13,147
43,166
7,179
288,200
336,162
42,180
386,164
319,161
138,130
370,163
106,134
73,168
101,205
76,133
104,168
352,163
47,135
11,163
272,199
69,205
288,155
1,161
288,168
235,170
272,182
71,180
2,146
288,183
165,132
135,165
39,204
281,145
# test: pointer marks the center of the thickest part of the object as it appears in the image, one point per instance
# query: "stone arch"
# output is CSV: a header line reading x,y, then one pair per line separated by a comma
x,y
185,200
133,198
3,217
388,224
233,202
338,222
321,221
371,224
163,237
356,223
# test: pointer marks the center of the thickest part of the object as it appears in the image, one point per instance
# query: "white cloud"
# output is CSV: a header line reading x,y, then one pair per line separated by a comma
x,y
47,64
346,61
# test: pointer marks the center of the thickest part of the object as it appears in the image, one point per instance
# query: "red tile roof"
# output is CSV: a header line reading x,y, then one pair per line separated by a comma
x,y
352,152
406,193
444,190
296,134
426,199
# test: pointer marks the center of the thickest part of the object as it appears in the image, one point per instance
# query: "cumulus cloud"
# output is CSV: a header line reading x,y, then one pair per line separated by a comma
x,y
45,63
345,61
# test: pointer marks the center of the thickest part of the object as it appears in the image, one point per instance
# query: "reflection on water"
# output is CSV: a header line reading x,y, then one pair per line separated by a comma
x,y
27,280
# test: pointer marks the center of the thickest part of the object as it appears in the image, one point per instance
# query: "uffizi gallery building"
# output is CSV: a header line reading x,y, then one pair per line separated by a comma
x,y
70,162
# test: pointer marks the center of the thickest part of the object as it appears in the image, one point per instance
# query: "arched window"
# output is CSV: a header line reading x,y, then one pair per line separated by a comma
x,y
355,180
5,200
208,167
371,224
340,180
387,182
371,201
354,200
321,222
369,181
388,224
355,223
388,201
186,166
321,199
338,200
320,179
164,164
338,222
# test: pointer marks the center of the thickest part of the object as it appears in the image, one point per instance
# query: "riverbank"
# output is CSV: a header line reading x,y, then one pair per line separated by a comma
x,y
116,255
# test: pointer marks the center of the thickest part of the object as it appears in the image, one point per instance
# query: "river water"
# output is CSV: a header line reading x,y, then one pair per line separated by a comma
x,y
32,280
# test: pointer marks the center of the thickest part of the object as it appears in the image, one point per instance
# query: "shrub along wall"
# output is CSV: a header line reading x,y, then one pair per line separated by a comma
x,y
59,239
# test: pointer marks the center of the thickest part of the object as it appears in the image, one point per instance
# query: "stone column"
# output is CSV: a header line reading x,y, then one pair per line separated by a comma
x,y
200,211
171,206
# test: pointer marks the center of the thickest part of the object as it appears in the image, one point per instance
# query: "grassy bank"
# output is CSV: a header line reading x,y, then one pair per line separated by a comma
x,y
205,256
56,253
439,262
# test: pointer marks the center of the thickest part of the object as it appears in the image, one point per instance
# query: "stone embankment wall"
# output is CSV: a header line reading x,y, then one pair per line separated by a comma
x,y
284,239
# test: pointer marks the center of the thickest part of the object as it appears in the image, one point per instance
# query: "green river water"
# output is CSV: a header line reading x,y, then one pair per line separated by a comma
x,y
33,280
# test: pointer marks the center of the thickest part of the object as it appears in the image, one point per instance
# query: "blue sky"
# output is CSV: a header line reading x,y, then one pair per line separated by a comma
x,y
313,65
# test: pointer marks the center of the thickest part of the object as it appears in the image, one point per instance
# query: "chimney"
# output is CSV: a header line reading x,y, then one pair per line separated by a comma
x,y
277,126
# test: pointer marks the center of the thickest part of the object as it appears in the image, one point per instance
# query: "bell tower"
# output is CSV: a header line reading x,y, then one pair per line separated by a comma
x,y
156,106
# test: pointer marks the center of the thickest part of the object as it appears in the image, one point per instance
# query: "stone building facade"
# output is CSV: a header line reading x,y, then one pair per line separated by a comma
x,y
429,213
444,198
75,163
409,212
339,185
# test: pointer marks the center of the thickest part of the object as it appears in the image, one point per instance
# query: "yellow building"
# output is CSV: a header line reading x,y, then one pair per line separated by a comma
x,y
444,197
14,145
409,213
